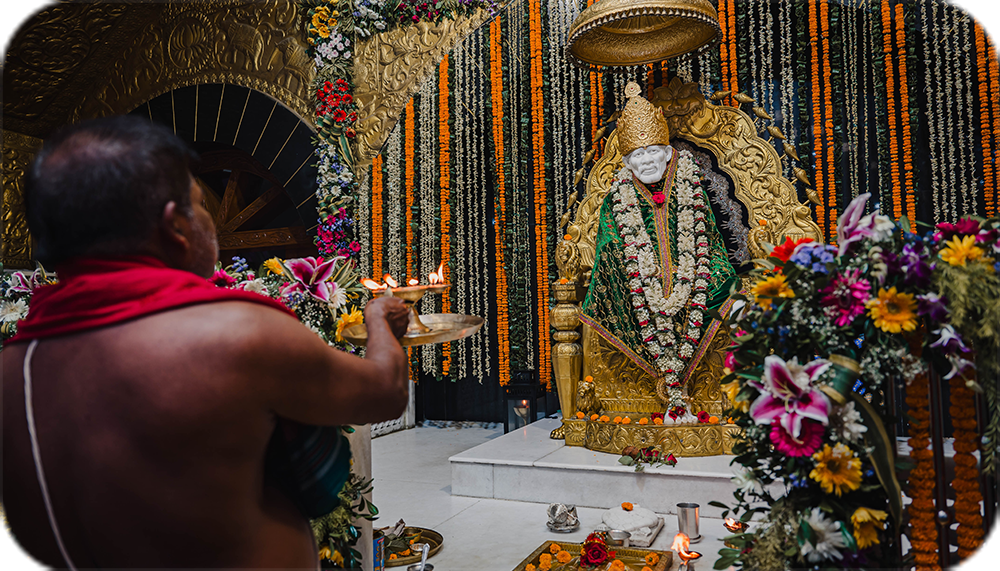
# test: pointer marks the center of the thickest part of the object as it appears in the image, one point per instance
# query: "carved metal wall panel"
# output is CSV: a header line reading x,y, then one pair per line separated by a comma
x,y
18,152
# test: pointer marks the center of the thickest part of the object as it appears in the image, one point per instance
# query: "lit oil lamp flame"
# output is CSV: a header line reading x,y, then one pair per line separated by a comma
x,y
433,278
372,284
413,282
680,547
439,274
389,281
735,526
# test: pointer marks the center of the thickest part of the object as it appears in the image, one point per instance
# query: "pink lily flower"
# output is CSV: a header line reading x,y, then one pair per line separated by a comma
x,y
787,394
311,276
853,227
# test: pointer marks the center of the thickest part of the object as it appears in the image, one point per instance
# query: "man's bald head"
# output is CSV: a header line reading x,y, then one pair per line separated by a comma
x,y
100,187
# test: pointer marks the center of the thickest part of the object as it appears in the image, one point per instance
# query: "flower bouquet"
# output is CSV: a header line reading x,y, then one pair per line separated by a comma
x,y
828,333
317,289
15,295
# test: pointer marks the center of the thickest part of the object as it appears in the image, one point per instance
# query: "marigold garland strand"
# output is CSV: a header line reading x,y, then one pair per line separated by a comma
x,y
994,103
904,98
890,84
541,191
966,482
500,212
444,162
985,123
923,526
377,239
817,118
724,46
408,156
828,116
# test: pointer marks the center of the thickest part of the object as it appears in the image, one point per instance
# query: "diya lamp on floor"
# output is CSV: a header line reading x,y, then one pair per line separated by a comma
x,y
680,546
423,329
735,527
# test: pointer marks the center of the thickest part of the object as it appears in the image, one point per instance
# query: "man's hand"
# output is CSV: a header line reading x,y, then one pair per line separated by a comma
x,y
392,310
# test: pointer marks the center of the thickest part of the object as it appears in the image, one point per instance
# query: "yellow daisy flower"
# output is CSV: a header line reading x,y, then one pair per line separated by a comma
x,y
317,19
274,266
349,319
893,312
325,553
731,389
323,31
867,523
961,250
837,469
768,288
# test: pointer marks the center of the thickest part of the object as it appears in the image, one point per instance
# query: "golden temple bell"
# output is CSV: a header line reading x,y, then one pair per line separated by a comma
x,y
622,33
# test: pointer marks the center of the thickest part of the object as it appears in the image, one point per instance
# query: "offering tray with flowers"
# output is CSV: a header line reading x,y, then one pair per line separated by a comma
x,y
423,329
398,550
594,554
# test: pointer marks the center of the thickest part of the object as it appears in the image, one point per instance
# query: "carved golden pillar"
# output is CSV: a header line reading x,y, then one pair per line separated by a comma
x,y
18,152
567,354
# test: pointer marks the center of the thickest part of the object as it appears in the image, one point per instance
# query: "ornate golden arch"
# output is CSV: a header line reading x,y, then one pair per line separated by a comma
x,y
754,167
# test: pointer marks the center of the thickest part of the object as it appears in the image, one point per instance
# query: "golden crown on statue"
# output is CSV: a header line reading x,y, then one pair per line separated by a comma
x,y
641,123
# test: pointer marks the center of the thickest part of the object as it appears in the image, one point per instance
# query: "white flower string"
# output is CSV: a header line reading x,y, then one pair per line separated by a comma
x,y
964,30
480,246
704,75
933,83
767,56
684,70
788,123
460,212
427,183
865,74
659,313
851,101
393,199
951,167
363,227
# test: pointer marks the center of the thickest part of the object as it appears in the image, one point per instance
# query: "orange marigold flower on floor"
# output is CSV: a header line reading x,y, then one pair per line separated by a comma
x,y
555,548
392,556
545,558
618,420
617,565
529,567
774,286
713,420
594,417
657,421
627,420
893,312
837,470
960,250
644,421
544,566
580,415
605,418
563,557
627,506
652,558
405,553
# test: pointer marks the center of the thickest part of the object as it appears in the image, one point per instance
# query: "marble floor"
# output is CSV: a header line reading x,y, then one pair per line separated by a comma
x,y
413,483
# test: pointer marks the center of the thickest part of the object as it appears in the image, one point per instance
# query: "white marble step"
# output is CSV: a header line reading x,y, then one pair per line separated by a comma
x,y
528,466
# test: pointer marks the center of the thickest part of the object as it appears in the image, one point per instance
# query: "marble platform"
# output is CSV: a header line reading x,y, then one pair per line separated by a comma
x,y
528,466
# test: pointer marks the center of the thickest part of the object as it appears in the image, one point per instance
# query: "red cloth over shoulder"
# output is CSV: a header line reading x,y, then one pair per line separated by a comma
x,y
97,292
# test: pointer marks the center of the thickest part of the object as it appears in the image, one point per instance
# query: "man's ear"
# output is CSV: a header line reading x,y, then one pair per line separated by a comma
x,y
174,226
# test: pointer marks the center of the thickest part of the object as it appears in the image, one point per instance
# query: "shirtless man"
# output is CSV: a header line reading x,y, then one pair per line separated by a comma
x,y
152,430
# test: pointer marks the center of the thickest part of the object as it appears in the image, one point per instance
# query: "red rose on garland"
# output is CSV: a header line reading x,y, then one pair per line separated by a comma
x,y
658,198
595,551
703,417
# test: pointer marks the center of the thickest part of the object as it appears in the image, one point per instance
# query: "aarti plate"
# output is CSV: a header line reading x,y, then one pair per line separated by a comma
x,y
444,327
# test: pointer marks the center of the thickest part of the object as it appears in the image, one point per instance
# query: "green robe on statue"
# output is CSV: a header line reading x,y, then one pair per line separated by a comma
x,y
608,305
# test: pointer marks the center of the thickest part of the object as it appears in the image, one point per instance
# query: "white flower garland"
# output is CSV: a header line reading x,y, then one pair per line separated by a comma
x,y
655,311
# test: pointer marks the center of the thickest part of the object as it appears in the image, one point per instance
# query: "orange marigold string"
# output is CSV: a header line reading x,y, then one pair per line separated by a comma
x,y
890,88
904,98
734,79
444,162
409,134
377,240
831,205
541,192
923,527
817,118
966,482
992,208
500,220
724,46
985,135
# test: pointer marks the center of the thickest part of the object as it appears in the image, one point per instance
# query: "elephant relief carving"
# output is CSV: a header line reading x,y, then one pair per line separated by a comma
x,y
297,65
246,40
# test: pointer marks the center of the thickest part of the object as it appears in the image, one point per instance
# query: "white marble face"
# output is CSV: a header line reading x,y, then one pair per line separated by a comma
x,y
649,163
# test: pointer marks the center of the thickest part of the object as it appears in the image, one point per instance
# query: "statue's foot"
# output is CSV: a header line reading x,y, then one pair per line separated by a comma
x,y
558,434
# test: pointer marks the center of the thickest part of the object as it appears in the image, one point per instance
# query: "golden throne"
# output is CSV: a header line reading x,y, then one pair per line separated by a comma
x,y
758,206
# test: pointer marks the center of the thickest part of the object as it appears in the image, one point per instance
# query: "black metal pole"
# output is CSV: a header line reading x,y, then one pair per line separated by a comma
x,y
943,516
897,412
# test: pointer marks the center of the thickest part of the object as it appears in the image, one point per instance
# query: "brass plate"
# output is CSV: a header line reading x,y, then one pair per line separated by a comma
x,y
634,557
428,536
444,327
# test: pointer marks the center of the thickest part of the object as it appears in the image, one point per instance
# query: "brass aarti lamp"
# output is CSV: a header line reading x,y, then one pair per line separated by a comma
x,y
422,330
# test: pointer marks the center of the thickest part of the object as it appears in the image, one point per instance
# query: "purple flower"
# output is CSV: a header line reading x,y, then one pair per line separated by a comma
x,y
814,256
933,306
844,299
787,394
913,264
958,366
949,341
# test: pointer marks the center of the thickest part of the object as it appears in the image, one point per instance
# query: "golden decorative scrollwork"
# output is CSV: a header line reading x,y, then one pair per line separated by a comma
x,y
18,152
389,69
682,441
